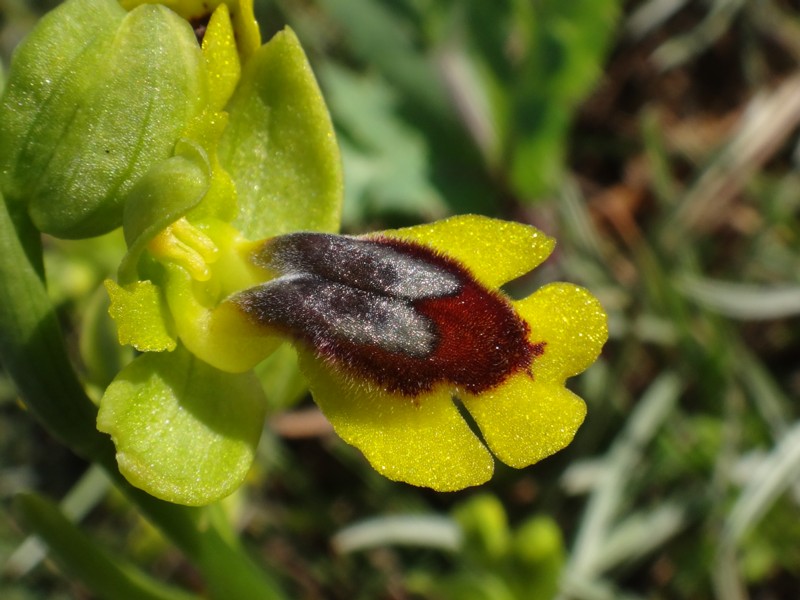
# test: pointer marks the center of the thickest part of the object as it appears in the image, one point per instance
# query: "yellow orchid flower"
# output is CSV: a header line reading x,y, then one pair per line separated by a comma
x,y
392,326
393,329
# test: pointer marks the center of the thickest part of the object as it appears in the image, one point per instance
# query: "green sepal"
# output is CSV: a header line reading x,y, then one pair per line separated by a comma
x,y
280,147
36,107
184,431
281,379
95,97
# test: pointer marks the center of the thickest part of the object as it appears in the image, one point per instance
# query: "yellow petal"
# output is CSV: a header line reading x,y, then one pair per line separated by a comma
x,y
524,421
422,441
222,59
573,325
248,34
245,26
141,317
495,251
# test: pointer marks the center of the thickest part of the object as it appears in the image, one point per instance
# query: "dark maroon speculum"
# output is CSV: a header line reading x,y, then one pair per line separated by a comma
x,y
391,311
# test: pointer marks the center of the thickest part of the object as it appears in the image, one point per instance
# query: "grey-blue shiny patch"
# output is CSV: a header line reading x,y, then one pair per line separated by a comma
x,y
327,312
358,263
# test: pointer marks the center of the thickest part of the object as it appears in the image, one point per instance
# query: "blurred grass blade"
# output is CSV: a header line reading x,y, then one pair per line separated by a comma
x,y
679,49
641,533
108,577
741,300
90,489
410,530
780,470
651,15
470,97
773,405
608,498
766,123
593,590
727,580
576,218
665,184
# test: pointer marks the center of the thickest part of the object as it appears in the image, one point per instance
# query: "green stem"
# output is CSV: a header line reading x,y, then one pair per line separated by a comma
x,y
33,352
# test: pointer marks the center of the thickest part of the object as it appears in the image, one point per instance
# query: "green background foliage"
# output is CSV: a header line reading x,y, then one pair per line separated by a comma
x,y
656,142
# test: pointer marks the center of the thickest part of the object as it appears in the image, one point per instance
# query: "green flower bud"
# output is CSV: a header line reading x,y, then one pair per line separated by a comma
x,y
95,97
485,526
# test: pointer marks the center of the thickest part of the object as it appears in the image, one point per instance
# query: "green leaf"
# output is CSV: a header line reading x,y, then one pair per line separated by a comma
x,y
567,42
107,576
30,337
386,161
383,36
95,97
536,62
184,431
279,145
